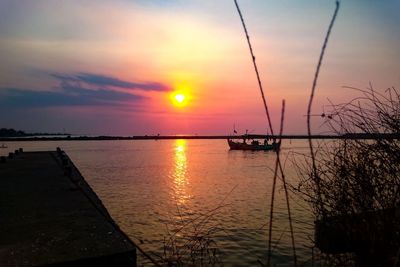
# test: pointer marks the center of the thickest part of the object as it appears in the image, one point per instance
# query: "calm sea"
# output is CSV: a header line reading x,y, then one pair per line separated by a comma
x,y
152,188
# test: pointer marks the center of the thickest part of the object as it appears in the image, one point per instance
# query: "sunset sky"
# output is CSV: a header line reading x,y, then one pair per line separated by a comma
x,y
113,67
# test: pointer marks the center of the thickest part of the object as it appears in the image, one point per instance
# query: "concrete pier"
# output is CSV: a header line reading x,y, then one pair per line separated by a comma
x,y
49,216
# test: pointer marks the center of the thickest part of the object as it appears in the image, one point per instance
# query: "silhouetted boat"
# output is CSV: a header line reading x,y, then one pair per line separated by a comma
x,y
253,145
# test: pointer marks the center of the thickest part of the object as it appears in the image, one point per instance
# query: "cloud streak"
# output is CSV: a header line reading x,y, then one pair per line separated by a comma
x,y
107,81
69,93
67,96
83,89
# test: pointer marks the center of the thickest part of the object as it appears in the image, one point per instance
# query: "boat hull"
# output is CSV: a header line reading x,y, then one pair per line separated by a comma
x,y
253,147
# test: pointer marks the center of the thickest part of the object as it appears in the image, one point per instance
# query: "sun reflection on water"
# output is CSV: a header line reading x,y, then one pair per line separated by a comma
x,y
179,175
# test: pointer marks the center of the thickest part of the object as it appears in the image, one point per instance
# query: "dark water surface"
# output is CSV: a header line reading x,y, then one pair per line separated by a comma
x,y
151,187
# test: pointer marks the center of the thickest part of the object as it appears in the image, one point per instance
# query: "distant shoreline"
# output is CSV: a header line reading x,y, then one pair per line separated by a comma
x,y
174,137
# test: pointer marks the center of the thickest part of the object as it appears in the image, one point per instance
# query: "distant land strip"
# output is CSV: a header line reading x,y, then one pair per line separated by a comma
x,y
167,137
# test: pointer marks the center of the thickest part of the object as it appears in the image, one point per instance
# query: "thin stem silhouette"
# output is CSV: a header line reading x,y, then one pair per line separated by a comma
x,y
286,189
255,69
278,165
314,85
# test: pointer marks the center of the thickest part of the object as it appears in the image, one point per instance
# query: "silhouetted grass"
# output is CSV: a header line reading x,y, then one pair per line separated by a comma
x,y
191,240
358,190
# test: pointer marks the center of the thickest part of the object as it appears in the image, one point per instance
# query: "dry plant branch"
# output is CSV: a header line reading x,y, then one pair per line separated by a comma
x,y
278,165
314,85
360,179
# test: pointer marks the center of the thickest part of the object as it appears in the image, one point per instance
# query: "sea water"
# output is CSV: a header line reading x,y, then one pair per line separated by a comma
x,y
152,188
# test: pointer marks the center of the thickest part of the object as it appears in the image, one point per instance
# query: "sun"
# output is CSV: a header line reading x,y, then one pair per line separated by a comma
x,y
179,98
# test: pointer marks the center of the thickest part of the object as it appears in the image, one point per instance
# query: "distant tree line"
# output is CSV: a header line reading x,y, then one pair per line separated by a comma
x,y
4,132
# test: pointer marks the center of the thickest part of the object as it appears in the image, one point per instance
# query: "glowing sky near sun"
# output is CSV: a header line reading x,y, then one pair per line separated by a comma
x,y
116,67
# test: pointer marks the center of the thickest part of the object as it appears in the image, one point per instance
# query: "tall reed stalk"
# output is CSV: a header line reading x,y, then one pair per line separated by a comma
x,y
316,177
278,165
